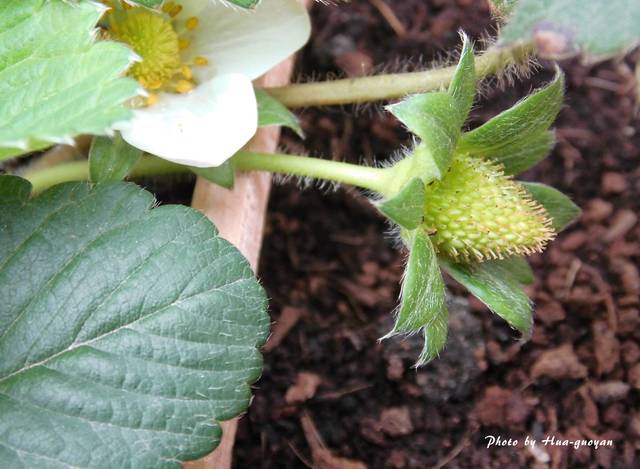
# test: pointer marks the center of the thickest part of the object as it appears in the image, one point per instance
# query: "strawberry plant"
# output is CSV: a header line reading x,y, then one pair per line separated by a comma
x,y
129,331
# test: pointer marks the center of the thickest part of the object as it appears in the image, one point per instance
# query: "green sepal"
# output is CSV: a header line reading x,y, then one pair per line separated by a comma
x,y
273,112
435,336
223,175
423,292
463,84
436,117
515,267
523,154
496,288
518,138
111,159
14,190
559,207
423,295
407,207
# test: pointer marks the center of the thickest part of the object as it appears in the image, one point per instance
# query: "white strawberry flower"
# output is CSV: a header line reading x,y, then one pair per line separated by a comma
x,y
197,61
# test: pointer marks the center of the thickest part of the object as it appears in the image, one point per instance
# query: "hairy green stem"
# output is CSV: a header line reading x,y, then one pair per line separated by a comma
x,y
375,179
392,86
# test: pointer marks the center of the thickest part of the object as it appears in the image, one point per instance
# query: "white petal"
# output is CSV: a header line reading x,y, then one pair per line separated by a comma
x,y
247,42
202,128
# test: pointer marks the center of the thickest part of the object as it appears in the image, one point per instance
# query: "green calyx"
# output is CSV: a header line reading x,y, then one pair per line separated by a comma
x,y
460,210
476,213
473,209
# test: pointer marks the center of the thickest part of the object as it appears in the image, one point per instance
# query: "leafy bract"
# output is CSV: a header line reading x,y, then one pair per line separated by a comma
x,y
126,332
498,289
223,175
560,28
272,112
422,304
55,80
111,159
407,207
436,117
560,207
519,137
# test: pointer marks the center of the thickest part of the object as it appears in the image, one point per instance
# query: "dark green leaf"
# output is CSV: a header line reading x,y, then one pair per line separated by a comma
x,y
126,332
510,132
407,208
501,292
422,303
111,159
272,112
560,207
560,28
223,175
13,190
463,83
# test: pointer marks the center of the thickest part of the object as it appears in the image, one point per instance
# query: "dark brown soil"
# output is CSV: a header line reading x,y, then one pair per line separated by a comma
x,y
332,396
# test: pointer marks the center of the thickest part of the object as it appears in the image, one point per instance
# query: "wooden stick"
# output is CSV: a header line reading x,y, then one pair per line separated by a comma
x,y
239,215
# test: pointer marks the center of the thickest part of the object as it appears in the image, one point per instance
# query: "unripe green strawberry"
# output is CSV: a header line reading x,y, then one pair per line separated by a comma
x,y
476,213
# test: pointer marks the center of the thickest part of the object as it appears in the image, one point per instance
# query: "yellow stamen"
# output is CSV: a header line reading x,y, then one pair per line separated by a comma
x,y
186,72
184,86
153,38
199,60
172,9
152,99
153,85
192,23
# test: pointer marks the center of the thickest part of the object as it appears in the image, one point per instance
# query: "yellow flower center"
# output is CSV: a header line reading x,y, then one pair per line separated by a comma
x,y
153,36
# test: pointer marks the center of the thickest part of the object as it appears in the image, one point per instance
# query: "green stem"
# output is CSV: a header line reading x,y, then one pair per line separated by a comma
x,y
392,86
42,179
79,171
375,179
